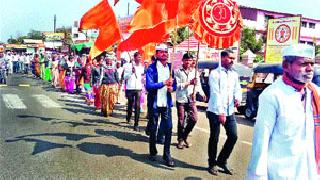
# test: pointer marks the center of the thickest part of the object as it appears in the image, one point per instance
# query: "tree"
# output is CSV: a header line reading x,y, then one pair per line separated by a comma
x,y
12,41
180,35
21,38
33,34
317,49
67,33
249,41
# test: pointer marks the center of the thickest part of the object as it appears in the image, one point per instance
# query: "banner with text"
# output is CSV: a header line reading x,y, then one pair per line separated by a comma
x,y
281,32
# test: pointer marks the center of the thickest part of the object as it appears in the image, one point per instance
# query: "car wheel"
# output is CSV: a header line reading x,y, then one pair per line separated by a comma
x,y
248,114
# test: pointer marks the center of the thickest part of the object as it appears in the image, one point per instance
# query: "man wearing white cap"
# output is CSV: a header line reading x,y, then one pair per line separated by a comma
x,y
159,85
286,140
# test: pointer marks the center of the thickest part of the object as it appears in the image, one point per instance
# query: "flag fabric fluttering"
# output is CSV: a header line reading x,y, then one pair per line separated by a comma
x,y
102,17
157,18
217,23
142,37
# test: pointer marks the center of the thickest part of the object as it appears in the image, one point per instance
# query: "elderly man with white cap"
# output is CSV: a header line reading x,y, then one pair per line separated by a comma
x,y
286,140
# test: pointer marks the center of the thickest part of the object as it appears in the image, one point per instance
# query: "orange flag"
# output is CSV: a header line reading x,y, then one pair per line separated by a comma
x,y
141,37
218,23
103,18
149,14
147,51
157,18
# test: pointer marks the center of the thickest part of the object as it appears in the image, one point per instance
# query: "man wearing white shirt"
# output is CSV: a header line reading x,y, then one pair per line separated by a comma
x,y
225,95
159,85
133,77
185,78
286,138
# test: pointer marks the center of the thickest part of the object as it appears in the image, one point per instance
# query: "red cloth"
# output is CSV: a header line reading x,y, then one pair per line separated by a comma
x,y
143,37
158,18
102,17
316,116
298,86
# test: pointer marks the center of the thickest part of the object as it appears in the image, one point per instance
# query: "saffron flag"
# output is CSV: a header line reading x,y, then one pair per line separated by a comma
x,y
218,23
103,18
149,14
141,37
157,18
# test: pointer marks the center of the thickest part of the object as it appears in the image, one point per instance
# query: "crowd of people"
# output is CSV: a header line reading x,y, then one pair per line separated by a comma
x,y
286,142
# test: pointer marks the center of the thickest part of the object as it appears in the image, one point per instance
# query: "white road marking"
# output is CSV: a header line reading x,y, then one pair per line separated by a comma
x,y
72,98
46,102
24,85
12,101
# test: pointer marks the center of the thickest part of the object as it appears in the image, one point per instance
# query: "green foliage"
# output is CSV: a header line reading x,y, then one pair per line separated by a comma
x,y
12,41
183,34
249,41
180,35
317,49
67,32
21,38
33,34
258,59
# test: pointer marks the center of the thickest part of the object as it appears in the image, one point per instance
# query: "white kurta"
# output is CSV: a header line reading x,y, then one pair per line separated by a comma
x,y
222,101
283,139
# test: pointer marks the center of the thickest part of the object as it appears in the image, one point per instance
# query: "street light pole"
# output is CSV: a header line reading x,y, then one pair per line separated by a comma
x,y
54,23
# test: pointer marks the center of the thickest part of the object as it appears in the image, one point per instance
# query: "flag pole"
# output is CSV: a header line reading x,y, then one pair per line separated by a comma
x,y
196,71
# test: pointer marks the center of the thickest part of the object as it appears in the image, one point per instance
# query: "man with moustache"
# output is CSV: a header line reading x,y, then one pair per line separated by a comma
x,y
286,138
159,85
225,95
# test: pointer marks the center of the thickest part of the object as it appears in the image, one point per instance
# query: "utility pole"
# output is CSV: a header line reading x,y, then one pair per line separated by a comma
x,y
54,23
128,8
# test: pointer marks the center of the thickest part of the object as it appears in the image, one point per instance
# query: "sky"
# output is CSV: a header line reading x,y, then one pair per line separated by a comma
x,y
18,17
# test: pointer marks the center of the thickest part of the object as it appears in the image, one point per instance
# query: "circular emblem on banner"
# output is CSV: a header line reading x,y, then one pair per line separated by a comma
x,y
282,33
218,17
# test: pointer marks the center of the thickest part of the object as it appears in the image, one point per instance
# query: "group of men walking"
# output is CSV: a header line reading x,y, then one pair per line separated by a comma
x,y
286,142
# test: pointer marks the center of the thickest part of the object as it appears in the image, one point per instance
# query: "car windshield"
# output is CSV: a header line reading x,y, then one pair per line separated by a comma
x,y
267,78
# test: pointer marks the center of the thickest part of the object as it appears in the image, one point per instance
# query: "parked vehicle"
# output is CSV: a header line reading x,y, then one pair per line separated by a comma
x,y
205,67
263,76
316,77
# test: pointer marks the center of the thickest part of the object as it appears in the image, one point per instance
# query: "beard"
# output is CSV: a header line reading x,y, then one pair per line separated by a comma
x,y
303,77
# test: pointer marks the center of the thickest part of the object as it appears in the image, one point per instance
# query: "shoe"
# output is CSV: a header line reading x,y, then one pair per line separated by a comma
x,y
128,121
136,128
147,131
169,162
180,145
188,144
152,157
213,170
225,168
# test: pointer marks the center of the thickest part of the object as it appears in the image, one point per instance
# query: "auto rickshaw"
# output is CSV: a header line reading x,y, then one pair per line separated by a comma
x,y
263,76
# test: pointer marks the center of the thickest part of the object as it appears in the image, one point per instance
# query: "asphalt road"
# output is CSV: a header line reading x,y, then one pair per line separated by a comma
x,y
47,134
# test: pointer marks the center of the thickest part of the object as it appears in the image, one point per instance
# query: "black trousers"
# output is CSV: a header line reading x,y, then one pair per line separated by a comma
x,y
231,130
133,99
190,109
166,123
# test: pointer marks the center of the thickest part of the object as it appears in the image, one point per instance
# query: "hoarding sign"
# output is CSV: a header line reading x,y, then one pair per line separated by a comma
x,y
281,33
